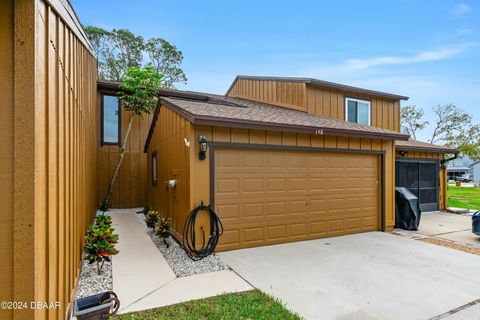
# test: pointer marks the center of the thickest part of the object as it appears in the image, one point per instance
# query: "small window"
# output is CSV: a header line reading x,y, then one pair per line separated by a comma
x,y
110,119
154,168
357,111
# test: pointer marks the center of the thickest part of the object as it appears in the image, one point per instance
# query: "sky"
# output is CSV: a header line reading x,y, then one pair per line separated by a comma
x,y
428,50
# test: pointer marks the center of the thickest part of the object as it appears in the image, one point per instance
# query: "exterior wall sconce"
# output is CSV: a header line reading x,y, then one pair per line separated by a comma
x,y
403,153
202,140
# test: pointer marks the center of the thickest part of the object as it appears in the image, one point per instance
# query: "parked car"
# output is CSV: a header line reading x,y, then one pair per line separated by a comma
x,y
465,178
476,223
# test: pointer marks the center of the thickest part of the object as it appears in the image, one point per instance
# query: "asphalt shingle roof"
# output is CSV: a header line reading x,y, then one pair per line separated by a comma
x,y
415,145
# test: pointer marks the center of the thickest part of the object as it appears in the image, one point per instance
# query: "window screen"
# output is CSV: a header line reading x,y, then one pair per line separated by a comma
x,y
111,120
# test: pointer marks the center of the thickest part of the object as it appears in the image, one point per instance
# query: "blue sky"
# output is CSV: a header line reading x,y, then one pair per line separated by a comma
x,y
427,50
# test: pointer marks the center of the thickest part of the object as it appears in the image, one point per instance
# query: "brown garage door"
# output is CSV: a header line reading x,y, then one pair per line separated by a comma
x,y
274,196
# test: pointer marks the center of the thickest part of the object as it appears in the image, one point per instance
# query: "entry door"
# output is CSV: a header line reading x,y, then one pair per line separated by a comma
x,y
421,178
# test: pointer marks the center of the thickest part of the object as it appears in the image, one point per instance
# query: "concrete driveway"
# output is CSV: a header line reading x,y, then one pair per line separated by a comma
x,y
364,276
446,226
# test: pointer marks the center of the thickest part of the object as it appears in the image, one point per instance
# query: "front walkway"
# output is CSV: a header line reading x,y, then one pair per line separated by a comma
x,y
143,279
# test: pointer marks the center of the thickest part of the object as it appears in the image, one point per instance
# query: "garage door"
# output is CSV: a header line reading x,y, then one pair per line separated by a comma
x,y
274,196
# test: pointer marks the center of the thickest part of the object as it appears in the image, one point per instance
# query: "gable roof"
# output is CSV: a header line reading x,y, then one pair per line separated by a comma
x,y
217,110
415,145
321,83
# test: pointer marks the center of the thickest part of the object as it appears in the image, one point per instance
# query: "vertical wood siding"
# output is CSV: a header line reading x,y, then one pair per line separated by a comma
x,y
173,162
282,93
6,155
55,166
328,102
130,188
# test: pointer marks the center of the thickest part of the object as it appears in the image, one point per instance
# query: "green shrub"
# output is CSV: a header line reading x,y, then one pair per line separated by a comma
x,y
104,206
100,242
151,218
103,219
162,229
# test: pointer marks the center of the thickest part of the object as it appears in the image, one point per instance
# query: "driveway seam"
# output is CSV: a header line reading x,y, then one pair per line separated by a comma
x,y
456,310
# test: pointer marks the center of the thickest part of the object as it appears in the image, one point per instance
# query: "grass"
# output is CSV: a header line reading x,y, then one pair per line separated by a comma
x,y
249,305
464,197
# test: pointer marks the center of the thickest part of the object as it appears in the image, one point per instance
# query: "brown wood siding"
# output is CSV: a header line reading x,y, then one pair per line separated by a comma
x,y
129,191
55,149
314,99
173,162
6,155
282,93
443,190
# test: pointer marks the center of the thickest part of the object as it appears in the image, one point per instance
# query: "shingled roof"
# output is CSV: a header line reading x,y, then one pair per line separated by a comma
x,y
217,110
415,145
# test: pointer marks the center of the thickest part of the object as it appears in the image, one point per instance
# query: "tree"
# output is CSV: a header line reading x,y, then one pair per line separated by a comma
x,y
119,49
166,59
411,117
467,141
139,95
449,121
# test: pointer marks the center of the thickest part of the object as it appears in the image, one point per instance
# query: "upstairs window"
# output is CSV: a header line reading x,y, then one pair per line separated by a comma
x,y
357,111
110,119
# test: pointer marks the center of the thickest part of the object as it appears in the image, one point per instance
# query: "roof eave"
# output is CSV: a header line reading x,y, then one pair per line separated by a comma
x,y
426,149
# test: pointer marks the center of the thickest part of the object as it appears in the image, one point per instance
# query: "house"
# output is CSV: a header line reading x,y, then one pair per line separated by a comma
x,y
475,169
459,167
287,159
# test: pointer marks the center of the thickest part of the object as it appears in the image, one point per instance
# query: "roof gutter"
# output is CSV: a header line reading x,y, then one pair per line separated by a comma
x,y
443,162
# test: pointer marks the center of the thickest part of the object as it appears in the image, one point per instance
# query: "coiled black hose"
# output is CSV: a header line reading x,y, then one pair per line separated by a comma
x,y
189,235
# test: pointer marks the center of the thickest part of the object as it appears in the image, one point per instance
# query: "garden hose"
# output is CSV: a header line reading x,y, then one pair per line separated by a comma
x,y
189,235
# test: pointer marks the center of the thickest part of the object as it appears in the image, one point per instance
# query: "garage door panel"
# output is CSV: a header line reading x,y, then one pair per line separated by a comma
x,y
275,196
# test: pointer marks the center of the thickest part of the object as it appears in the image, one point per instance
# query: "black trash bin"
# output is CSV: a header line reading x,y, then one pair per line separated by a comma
x,y
96,307
407,209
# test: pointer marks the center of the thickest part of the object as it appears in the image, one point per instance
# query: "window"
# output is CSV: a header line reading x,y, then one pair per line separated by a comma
x,y
110,119
154,168
357,111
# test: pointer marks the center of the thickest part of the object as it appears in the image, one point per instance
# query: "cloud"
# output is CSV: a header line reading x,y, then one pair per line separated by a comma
x,y
460,10
424,56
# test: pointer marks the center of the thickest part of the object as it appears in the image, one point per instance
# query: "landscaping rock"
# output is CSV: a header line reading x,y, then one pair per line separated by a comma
x,y
179,261
91,282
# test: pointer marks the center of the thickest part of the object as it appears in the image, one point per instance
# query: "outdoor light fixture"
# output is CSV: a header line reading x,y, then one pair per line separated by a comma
x,y
202,140
403,153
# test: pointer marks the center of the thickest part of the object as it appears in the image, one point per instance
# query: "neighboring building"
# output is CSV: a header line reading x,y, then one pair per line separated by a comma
x,y
48,153
459,167
289,159
475,168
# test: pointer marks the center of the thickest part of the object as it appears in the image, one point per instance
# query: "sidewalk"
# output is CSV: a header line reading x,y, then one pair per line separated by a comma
x,y
144,280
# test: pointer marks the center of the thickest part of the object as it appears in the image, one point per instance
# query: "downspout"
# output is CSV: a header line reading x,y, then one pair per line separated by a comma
x,y
443,162
443,165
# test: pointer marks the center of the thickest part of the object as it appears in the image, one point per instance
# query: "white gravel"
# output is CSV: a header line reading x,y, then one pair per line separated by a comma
x,y
91,283
179,261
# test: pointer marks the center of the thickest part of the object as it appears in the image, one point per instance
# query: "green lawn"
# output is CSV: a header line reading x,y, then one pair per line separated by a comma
x,y
249,305
464,197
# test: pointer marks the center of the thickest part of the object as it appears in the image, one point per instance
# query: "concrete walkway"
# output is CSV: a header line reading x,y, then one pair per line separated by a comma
x,y
143,279
446,226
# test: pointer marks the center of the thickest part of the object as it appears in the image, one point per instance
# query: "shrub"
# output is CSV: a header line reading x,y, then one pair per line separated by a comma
x,y
100,242
162,229
151,218
104,206
103,219
145,209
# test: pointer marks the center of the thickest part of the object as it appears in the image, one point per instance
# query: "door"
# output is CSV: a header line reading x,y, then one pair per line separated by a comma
x,y
274,196
421,178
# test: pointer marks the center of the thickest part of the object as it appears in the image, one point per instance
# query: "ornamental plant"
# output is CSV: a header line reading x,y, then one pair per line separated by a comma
x,y
151,218
162,229
100,242
138,95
